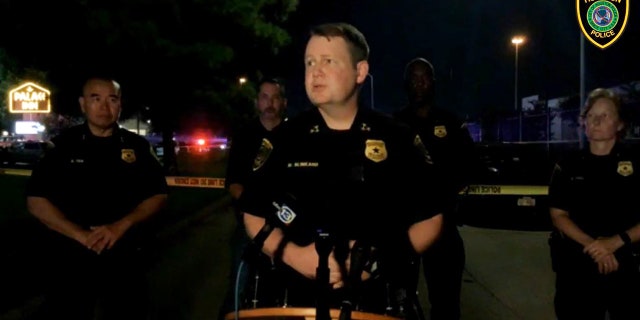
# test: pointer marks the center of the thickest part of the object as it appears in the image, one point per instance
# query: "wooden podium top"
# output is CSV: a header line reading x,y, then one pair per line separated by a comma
x,y
299,314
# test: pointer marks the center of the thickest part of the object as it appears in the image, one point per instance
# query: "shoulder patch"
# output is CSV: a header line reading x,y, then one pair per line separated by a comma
x,y
417,142
263,154
153,153
557,167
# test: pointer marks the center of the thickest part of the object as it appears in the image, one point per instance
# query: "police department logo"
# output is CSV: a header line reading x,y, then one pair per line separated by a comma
x,y
440,131
128,155
263,154
602,21
375,150
625,168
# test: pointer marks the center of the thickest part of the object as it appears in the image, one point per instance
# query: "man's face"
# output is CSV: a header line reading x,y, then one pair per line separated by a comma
x,y
330,75
419,82
270,102
100,103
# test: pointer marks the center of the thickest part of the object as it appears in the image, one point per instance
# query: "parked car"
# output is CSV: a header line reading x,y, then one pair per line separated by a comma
x,y
7,141
26,152
511,192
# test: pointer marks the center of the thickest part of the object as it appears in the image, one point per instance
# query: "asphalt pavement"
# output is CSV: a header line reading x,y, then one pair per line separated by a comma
x,y
507,276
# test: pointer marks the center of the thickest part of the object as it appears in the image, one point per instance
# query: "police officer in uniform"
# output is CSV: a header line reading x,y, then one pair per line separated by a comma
x,y
271,104
453,154
349,181
594,208
93,191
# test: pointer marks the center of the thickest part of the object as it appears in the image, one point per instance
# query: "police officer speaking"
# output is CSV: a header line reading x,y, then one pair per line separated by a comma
x,y
344,177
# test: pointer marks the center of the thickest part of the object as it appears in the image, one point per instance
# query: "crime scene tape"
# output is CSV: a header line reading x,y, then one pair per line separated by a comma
x,y
196,182
15,172
172,181
218,183
529,190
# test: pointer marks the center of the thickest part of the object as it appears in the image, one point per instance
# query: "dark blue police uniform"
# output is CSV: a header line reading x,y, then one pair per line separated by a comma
x,y
244,147
96,181
368,183
600,193
454,157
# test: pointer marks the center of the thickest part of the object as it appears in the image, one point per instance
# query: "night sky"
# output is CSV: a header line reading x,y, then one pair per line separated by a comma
x,y
469,44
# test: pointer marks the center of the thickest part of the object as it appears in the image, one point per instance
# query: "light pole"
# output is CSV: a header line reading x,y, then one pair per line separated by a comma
x,y
242,80
581,136
517,41
371,88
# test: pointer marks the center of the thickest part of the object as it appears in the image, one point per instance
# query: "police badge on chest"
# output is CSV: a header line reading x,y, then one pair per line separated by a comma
x,y
128,155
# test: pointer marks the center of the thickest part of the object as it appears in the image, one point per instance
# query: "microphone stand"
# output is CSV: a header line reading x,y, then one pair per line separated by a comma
x,y
251,253
359,256
323,246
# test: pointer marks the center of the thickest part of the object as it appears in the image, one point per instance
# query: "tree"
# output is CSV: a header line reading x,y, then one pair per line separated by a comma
x,y
170,55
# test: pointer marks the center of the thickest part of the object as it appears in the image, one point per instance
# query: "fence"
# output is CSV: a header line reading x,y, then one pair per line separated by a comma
x,y
555,125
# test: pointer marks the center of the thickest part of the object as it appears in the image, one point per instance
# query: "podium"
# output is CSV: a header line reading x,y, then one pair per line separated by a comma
x,y
299,314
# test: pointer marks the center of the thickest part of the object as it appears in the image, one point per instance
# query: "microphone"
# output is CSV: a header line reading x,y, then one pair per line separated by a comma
x,y
284,211
360,254
324,246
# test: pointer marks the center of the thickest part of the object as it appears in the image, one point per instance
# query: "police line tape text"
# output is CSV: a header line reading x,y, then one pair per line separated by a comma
x,y
195,182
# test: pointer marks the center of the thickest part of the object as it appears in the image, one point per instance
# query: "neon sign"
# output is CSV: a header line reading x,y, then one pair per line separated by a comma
x,y
29,98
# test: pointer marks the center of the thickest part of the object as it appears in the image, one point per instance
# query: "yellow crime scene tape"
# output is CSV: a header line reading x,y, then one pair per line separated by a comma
x,y
196,182
494,189
218,183
15,172
173,181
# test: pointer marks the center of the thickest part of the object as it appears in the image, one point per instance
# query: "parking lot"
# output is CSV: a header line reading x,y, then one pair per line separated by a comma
x,y
23,153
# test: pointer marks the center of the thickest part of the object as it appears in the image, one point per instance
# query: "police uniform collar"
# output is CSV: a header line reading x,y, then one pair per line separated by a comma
x,y
86,132
618,150
318,124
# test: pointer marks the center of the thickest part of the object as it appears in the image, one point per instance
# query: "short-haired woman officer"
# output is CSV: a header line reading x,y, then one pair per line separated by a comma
x,y
594,196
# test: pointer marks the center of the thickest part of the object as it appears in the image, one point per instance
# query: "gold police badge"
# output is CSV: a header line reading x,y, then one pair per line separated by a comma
x,y
625,168
128,155
375,150
440,131
263,154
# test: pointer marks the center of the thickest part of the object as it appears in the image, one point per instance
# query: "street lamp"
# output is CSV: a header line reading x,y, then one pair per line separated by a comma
x,y
242,80
517,41
371,87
